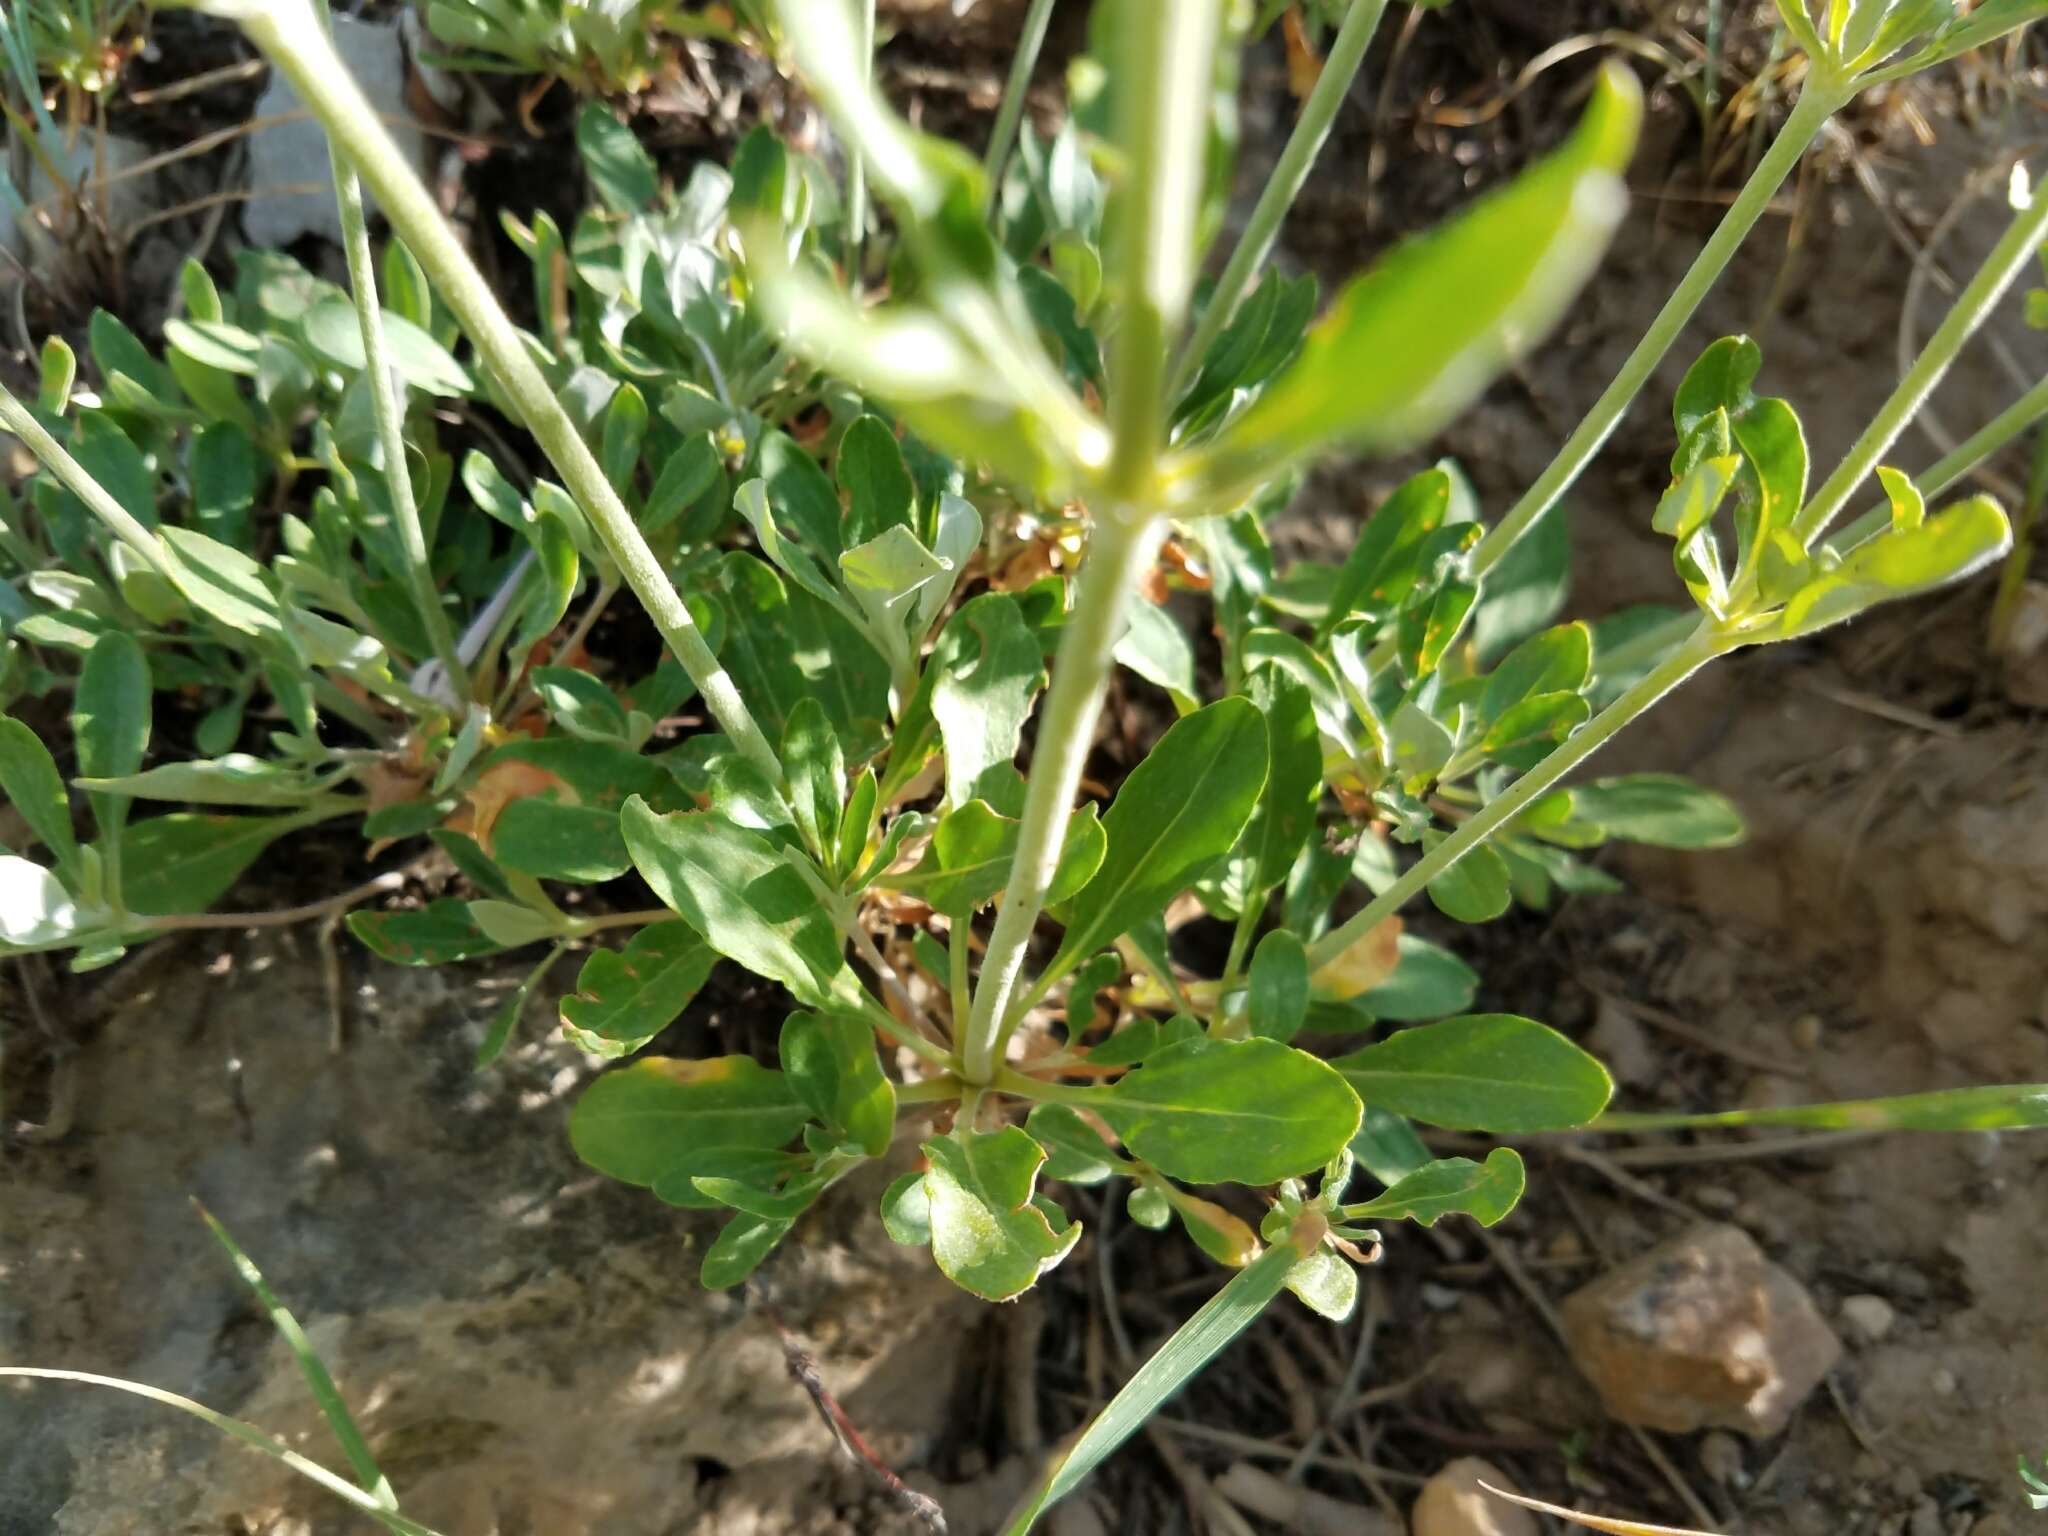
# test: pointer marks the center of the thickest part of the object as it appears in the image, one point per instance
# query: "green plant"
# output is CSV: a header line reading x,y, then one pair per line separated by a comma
x,y
596,49
1405,717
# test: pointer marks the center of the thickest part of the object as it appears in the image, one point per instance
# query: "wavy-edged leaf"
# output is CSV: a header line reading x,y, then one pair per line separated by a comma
x,y
989,1236
625,997
1451,1186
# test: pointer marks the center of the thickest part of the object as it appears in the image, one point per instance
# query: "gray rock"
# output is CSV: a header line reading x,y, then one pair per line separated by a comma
x,y
294,154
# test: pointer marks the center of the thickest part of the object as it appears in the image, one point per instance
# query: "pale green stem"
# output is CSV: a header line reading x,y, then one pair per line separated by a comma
x,y
287,32
2013,253
1946,471
1508,804
362,280
856,166
1168,53
1290,173
1118,554
16,418
1818,100
1011,112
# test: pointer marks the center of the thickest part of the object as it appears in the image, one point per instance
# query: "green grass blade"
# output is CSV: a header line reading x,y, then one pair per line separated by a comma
x,y
1996,1107
375,1485
1222,1318
248,1434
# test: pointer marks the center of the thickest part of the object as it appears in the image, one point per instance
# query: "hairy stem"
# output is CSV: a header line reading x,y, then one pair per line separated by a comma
x,y
1118,554
1818,100
2014,251
856,165
286,31
384,403
1011,112
16,418
1497,812
1166,58
1290,172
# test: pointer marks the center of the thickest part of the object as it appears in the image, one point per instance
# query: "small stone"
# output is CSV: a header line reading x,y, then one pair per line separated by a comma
x,y
1722,1460
1701,1331
1453,1504
1868,1318
1806,1031
1943,1381
1925,1520
1981,1148
1716,1198
1440,1298
2025,652
1565,1246
1619,1040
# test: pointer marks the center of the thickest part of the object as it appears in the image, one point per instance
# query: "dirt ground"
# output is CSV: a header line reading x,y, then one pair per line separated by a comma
x,y
526,1345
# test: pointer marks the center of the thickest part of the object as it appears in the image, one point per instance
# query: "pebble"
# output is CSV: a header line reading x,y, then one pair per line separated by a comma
x,y
1453,1504
1700,1332
1716,1198
1943,1381
1806,1031
1868,1318
1722,1459
1925,1520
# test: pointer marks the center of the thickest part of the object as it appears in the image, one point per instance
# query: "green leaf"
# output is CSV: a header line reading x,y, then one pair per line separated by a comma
x,y
1993,1107
985,670
1075,1152
1387,1146
32,785
1412,341
439,933
989,1236
1557,661
1276,1000
907,1211
1174,819
972,849
215,344
1473,890
580,704
334,332
736,888
624,998
1386,561
621,172
326,1395
1527,588
801,497
1193,1345
506,1020
1285,818
1661,809
816,769
1157,649
1451,1186
186,862
1429,982
1482,1072
569,829
235,778
1231,1111
1947,546
739,1248
1325,1284
225,584
879,490
830,1061
635,1123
